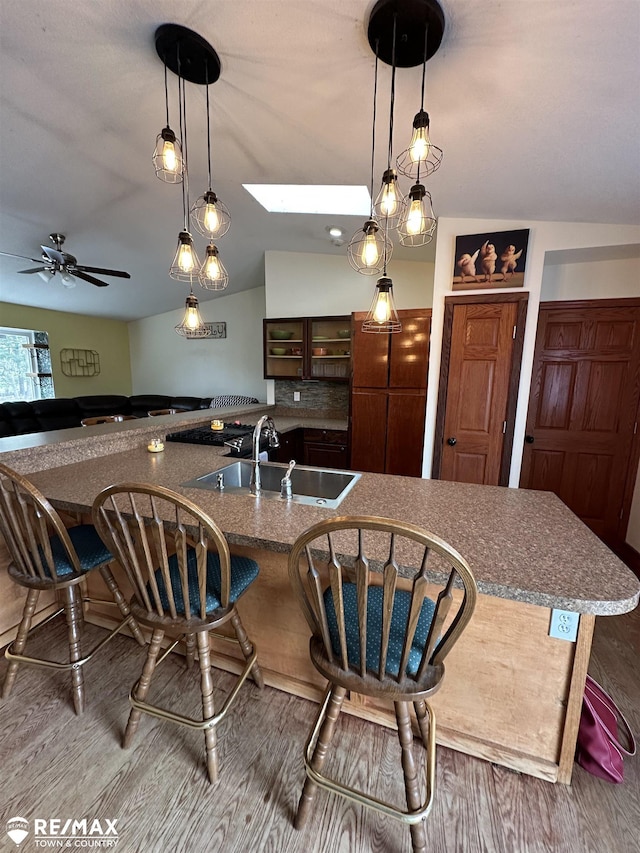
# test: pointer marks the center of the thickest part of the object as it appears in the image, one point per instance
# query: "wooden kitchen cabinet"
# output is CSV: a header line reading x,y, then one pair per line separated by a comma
x,y
388,396
326,448
308,348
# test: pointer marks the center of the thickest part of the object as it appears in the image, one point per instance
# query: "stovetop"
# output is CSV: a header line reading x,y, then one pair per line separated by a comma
x,y
206,435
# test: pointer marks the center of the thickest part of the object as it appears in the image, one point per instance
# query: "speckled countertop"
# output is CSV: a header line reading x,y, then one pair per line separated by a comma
x,y
42,450
521,545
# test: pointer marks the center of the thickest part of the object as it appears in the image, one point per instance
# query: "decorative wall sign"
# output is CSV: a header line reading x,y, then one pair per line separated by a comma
x,y
215,331
494,259
80,362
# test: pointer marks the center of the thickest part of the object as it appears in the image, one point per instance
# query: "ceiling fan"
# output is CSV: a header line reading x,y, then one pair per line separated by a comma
x,y
56,261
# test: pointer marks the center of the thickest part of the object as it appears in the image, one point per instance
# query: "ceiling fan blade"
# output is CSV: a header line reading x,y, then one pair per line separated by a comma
x,y
55,255
37,269
89,278
118,273
22,257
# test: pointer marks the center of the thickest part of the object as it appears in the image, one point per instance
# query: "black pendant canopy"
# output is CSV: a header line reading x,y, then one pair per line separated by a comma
x,y
411,18
187,54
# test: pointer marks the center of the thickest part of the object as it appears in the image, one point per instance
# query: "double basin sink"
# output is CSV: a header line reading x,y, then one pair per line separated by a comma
x,y
312,486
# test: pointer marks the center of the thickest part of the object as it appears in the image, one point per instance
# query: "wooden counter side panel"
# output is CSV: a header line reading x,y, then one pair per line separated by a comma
x,y
507,684
12,598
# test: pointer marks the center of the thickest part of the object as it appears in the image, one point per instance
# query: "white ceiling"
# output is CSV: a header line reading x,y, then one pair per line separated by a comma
x,y
536,105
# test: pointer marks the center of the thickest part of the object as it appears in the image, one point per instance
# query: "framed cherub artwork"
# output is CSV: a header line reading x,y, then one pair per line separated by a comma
x,y
494,259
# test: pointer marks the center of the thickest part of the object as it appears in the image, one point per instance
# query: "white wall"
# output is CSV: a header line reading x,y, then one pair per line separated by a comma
x,y
612,279
163,362
311,285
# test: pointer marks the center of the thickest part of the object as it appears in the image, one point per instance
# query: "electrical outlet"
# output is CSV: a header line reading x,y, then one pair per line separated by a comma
x,y
564,625
296,396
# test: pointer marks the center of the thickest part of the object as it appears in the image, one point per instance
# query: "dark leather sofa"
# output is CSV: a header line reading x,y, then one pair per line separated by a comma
x,y
20,417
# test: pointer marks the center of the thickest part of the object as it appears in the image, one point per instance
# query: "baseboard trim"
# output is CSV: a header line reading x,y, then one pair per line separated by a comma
x,y
630,556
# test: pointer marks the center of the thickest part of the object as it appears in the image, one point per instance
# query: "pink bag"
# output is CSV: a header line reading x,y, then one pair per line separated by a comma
x,y
599,749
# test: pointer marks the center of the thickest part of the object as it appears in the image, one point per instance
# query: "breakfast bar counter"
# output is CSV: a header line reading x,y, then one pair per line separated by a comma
x,y
512,694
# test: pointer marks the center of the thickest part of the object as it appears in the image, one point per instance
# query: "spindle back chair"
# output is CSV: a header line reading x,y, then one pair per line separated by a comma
x,y
364,585
186,583
45,555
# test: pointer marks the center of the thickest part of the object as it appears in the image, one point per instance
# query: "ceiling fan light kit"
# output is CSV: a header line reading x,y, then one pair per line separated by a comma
x,y
403,34
193,60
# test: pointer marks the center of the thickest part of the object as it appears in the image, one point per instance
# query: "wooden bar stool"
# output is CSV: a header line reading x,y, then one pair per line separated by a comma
x,y
376,632
185,581
47,555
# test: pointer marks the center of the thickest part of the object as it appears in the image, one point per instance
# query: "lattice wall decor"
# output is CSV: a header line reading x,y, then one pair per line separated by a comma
x,y
80,362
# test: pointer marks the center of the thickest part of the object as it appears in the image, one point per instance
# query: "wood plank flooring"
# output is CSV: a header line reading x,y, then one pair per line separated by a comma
x,y
53,764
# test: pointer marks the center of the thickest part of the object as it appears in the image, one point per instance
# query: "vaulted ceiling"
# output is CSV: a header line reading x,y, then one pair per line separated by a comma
x,y
535,104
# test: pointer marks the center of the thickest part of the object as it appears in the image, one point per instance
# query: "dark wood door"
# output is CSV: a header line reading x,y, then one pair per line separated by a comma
x,y
368,429
480,367
582,410
405,432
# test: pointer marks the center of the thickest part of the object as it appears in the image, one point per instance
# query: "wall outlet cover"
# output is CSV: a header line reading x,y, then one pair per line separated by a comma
x,y
564,625
296,396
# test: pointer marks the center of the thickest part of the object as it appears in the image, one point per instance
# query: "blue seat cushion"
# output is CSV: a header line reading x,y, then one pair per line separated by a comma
x,y
89,547
399,618
243,572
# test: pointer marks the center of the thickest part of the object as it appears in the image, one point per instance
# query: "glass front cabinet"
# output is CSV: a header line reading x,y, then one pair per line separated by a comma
x,y
308,348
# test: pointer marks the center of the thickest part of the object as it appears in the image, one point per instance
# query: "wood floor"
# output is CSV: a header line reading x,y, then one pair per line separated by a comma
x,y
54,765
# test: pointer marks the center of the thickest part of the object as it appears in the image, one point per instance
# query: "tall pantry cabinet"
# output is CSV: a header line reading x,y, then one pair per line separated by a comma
x,y
389,394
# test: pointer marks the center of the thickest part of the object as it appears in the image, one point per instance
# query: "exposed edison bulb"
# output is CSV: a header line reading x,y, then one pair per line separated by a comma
x,y
192,317
415,217
419,145
212,269
389,199
382,310
186,262
370,251
211,218
169,159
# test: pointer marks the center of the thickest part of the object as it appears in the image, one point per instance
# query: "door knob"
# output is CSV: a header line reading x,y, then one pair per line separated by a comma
x,y
529,439
451,441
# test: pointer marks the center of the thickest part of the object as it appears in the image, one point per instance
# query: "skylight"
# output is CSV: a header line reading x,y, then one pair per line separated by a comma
x,y
298,198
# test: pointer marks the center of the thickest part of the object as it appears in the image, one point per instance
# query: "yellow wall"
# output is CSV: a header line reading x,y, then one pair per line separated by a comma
x,y
109,338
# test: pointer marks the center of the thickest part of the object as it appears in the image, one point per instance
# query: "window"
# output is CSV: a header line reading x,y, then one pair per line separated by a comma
x,y
25,365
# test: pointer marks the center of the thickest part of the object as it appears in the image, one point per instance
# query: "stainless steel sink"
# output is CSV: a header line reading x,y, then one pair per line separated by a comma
x,y
314,486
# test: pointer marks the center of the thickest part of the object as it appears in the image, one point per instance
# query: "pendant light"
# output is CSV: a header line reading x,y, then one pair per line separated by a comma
x,y
422,157
186,265
167,156
210,216
388,205
370,247
192,325
382,316
418,222
213,275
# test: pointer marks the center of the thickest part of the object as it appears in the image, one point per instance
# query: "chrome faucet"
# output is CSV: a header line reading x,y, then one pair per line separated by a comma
x,y
285,483
266,423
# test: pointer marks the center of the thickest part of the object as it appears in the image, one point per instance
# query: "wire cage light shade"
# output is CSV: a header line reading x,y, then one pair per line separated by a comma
x,y
213,275
418,223
422,158
167,157
210,217
192,325
388,204
186,264
382,317
369,249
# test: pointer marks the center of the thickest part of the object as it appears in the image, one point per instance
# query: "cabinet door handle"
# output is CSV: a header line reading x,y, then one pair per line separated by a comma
x,y
451,441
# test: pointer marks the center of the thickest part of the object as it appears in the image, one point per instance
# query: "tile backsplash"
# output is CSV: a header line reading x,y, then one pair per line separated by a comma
x,y
328,398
